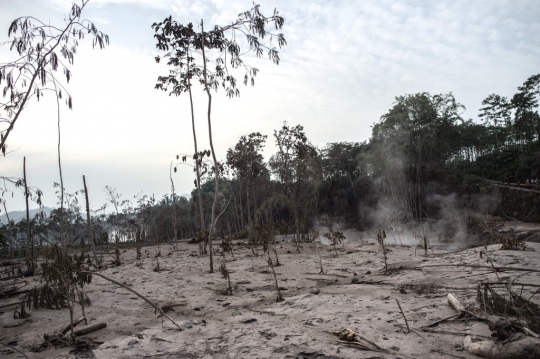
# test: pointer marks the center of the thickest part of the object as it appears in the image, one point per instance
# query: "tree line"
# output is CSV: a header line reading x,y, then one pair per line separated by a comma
x,y
422,146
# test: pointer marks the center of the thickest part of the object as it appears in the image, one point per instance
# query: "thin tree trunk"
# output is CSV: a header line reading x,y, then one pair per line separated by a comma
x,y
254,199
197,168
62,220
216,168
9,222
237,220
230,238
175,229
89,223
29,244
248,207
241,207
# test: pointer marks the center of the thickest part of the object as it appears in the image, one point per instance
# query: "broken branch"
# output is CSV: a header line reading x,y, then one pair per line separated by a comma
x,y
404,317
519,269
17,350
138,295
90,329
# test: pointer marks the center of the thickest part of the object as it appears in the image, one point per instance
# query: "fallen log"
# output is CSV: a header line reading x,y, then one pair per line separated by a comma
x,y
67,327
523,348
90,329
455,303
55,338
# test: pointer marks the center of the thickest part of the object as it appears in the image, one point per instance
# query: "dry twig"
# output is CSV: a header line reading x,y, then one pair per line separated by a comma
x,y
404,317
138,295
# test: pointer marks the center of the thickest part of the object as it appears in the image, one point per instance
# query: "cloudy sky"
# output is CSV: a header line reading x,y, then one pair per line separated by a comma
x,y
344,64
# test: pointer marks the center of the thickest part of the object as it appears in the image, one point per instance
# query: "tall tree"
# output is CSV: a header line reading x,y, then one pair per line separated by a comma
x,y
524,103
181,43
411,145
496,111
297,166
247,161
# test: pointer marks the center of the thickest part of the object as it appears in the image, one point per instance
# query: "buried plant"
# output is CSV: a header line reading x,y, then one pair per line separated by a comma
x,y
279,295
116,260
380,239
225,273
423,242
264,233
157,268
395,229
314,236
226,246
335,237
64,279
512,304
263,230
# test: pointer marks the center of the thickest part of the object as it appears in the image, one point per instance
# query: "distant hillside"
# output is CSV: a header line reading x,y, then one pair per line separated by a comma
x,y
18,215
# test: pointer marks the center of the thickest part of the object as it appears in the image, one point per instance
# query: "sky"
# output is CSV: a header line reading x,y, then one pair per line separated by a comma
x,y
343,66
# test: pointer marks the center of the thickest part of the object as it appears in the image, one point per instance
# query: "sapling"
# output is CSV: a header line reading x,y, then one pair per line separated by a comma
x,y
117,257
279,295
395,228
335,237
229,242
314,239
226,246
156,268
380,239
66,273
226,274
424,242
264,233
89,224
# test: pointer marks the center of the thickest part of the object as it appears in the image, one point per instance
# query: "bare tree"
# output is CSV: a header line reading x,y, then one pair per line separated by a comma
x,y
41,48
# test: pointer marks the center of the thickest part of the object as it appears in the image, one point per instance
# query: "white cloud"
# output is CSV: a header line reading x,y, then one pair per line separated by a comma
x,y
344,64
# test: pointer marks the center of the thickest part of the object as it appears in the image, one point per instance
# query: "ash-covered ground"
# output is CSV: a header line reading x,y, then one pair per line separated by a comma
x,y
353,292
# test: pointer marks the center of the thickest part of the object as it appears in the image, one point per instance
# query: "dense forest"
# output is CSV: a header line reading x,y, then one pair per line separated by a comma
x,y
420,151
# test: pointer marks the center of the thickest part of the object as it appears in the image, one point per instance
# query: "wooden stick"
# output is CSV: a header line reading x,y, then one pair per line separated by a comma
x,y
519,269
442,321
138,295
11,304
491,262
17,350
404,317
90,329
89,224
67,327
513,283
427,330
